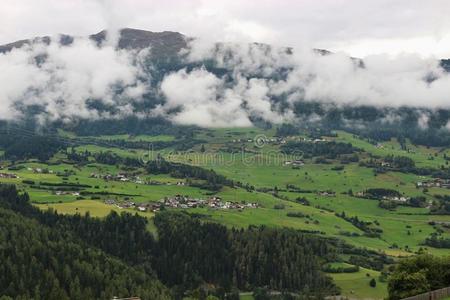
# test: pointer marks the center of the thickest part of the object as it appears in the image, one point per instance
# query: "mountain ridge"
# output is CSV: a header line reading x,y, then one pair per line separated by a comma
x,y
165,43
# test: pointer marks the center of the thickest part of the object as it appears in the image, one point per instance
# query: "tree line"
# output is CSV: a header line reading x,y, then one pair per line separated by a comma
x,y
324,148
418,275
49,262
189,253
212,180
18,147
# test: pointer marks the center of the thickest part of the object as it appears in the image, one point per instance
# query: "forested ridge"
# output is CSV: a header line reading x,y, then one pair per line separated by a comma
x,y
80,257
213,181
42,262
258,256
311,149
19,147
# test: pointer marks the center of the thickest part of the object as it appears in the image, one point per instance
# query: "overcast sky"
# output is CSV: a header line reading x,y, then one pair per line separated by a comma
x,y
357,27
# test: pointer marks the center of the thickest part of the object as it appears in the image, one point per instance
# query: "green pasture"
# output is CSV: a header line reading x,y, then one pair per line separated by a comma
x,y
95,208
356,285
423,156
404,229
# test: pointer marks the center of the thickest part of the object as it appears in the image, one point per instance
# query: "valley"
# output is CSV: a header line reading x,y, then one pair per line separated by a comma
x,y
322,193
224,150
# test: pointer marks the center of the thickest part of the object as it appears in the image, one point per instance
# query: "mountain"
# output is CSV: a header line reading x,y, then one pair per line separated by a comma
x,y
210,84
166,43
445,63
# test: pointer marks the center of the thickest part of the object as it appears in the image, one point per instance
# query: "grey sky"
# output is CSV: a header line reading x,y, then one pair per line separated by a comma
x,y
358,27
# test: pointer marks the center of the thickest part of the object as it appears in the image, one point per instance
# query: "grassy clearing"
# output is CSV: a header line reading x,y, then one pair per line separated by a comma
x,y
356,285
95,208
423,156
399,228
246,296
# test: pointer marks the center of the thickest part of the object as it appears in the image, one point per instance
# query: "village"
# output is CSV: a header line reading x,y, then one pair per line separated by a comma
x,y
401,199
40,170
265,140
326,193
184,202
119,177
278,140
437,182
63,193
124,177
294,163
8,175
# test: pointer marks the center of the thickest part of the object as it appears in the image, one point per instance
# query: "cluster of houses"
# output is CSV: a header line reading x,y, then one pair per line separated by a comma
x,y
178,183
40,170
294,163
315,141
8,175
397,199
123,177
121,204
215,202
401,199
327,194
180,201
62,193
48,171
278,140
266,140
437,182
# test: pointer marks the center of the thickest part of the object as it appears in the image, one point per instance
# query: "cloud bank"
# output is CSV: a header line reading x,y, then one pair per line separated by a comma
x,y
264,77
232,84
64,80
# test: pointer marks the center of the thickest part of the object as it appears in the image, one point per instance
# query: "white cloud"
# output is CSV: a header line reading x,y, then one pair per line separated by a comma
x,y
67,79
73,75
203,99
384,81
354,26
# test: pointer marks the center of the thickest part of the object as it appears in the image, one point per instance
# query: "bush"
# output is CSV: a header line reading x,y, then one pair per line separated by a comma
x,y
297,215
279,206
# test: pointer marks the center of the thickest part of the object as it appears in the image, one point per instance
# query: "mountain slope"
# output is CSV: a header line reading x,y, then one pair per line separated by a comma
x,y
166,43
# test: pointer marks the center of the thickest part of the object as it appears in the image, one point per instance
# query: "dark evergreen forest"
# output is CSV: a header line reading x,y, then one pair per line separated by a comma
x,y
53,256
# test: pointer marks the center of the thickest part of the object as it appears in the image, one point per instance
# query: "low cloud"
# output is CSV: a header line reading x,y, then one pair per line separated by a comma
x,y
231,85
259,77
203,100
63,80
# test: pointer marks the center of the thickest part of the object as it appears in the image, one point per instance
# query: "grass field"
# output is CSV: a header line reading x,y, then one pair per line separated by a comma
x,y
95,208
423,156
246,296
356,285
266,169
